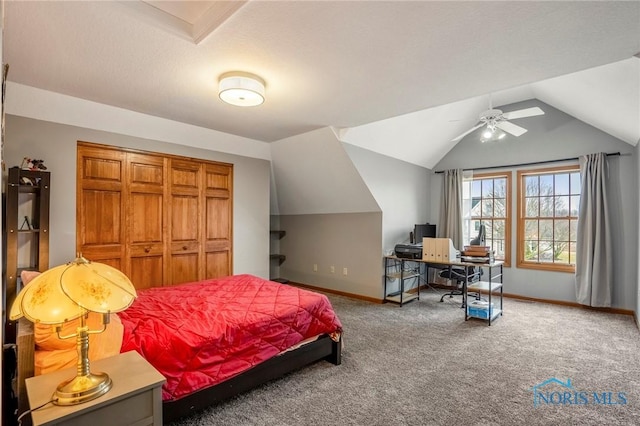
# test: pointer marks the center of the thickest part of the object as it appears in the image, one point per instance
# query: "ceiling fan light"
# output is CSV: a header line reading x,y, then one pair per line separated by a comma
x,y
487,134
241,89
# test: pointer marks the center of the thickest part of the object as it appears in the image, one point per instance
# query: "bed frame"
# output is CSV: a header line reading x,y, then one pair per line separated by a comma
x,y
323,348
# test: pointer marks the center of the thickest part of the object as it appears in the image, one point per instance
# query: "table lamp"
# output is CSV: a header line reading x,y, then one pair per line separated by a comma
x,y
68,292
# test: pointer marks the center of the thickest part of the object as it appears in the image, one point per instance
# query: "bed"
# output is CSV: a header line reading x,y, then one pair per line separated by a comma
x,y
217,338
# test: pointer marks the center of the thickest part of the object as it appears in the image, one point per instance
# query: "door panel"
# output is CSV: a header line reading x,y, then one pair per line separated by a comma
x,y
146,218
184,268
100,209
217,263
161,219
218,217
101,217
184,218
146,271
186,221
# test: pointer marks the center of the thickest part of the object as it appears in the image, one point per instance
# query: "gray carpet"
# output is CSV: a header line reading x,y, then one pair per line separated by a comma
x,y
422,364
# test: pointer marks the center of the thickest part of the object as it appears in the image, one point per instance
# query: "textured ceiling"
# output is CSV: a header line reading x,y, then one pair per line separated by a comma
x,y
340,64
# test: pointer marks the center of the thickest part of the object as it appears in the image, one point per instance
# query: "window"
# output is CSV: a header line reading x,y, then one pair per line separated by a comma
x,y
487,200
548,203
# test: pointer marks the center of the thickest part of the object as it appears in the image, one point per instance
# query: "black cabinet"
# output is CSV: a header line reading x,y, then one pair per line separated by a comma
x,y
26,232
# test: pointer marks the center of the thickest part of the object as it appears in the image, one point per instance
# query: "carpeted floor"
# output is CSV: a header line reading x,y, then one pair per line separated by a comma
x,y
423,364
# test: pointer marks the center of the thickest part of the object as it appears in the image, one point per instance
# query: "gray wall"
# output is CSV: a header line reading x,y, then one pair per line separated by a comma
x,y
552,136
345,207
341,240
56,145
313,174
401,189
328,213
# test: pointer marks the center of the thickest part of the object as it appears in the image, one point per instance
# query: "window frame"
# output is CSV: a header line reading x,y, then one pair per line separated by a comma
x,y
506,174
520,237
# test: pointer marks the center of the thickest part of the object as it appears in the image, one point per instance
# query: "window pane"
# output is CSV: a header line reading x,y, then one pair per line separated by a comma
x,y
487,207
498,227
546,230
562,184
562,206
531,185
475,207
531,229
475,189
546,185
488,226
487,188
545,251
498,248
575,183
573,230
575,204
546,206
531,250
561,252
500,188
531,206
475,227
561,230
572,253
499,209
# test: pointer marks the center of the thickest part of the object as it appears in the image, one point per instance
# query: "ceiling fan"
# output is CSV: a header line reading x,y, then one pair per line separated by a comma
x,y
496,121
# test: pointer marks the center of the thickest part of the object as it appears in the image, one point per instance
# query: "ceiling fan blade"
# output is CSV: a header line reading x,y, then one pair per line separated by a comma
x,y
522,113
511,128
457,138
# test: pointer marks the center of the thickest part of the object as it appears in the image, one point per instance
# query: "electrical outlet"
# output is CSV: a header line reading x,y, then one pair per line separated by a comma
x,y
315,267
332,269
344,271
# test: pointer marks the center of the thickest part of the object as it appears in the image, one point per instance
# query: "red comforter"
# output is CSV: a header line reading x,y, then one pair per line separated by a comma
x,y
200,334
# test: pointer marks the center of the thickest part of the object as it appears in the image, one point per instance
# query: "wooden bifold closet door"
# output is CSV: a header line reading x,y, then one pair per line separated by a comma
x,y
161,219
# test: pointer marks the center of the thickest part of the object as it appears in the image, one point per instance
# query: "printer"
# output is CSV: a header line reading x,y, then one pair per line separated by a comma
x,y
409,251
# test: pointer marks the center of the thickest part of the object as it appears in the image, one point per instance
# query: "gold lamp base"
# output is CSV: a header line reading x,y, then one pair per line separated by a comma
x,y
82,389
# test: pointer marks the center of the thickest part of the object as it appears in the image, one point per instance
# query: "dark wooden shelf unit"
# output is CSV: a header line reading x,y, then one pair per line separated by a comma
x,y
26,236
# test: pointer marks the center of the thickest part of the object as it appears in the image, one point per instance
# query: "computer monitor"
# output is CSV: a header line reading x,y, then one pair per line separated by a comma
x,y
421,231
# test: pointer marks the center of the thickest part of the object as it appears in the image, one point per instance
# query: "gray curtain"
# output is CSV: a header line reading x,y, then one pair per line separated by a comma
x,y
594,271
450,225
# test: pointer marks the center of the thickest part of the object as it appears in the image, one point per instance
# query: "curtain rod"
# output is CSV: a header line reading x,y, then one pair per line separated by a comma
x,y
527,164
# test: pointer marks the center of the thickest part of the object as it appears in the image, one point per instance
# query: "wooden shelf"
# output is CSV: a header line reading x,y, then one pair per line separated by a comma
x,y
406,297
406,275
281,257
484,286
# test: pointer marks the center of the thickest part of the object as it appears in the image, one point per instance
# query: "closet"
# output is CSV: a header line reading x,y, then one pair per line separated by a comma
x,y
159,218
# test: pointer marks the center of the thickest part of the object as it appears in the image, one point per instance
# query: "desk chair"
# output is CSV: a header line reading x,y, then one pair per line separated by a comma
x,y
458,274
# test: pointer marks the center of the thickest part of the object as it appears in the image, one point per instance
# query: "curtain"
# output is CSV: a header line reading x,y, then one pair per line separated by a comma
x,y
451,208
594,271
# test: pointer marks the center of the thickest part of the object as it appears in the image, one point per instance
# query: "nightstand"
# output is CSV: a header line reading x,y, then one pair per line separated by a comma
x,y
135,398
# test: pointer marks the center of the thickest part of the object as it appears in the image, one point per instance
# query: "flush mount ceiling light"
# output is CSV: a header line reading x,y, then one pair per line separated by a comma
x,y
241,89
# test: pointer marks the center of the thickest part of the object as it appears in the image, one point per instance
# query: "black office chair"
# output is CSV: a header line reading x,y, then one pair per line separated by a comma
x,y
458,274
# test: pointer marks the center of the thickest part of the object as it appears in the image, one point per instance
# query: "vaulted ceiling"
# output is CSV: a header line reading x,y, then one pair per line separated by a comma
x,y
393,77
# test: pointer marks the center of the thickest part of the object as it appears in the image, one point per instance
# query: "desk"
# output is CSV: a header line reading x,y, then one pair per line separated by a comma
x,y
495,271
402,269
494,266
